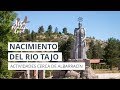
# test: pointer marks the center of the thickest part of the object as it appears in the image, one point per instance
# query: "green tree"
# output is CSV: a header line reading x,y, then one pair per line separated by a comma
x,y
118,63
95,50
64,30
90,50
60,33
33,36
27,36
27,31
56,30
49,30
41,29
98,51
112,52
6,35
65,47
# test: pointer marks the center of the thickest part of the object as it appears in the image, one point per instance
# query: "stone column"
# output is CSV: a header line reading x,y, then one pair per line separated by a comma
x,y
28,74
36,74
42,74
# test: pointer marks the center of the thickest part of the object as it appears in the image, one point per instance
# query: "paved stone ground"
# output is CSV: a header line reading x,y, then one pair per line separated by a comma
x,y
109,76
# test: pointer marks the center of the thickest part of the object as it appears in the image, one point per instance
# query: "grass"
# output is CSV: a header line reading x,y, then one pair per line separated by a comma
x,y
106,71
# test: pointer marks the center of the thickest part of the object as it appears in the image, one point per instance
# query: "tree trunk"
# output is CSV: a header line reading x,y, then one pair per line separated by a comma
x,y
119,66
111,66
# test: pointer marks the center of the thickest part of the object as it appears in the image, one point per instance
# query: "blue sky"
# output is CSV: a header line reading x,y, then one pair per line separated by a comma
x,y
100,24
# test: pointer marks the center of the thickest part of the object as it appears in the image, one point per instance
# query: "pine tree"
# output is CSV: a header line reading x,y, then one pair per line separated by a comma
x,y
64,30
112,52
33,36
90,50
27,36
49,29
41,29
95,50
65,48
56,30
6,35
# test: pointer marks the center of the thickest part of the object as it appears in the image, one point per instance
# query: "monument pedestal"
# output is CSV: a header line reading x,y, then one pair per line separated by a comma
x,y
77,74
83,73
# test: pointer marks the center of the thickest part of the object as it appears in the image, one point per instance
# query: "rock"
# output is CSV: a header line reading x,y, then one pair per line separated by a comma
x,y
62,74
90,73
58,74
72,74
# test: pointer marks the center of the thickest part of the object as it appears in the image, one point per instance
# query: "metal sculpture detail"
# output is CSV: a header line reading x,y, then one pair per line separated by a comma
x,y
20,26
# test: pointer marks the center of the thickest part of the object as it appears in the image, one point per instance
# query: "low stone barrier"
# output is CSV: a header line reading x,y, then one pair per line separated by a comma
x,y
108,76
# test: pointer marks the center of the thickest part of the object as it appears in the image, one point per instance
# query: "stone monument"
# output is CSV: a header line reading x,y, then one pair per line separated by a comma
x,y
79,51
78,54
